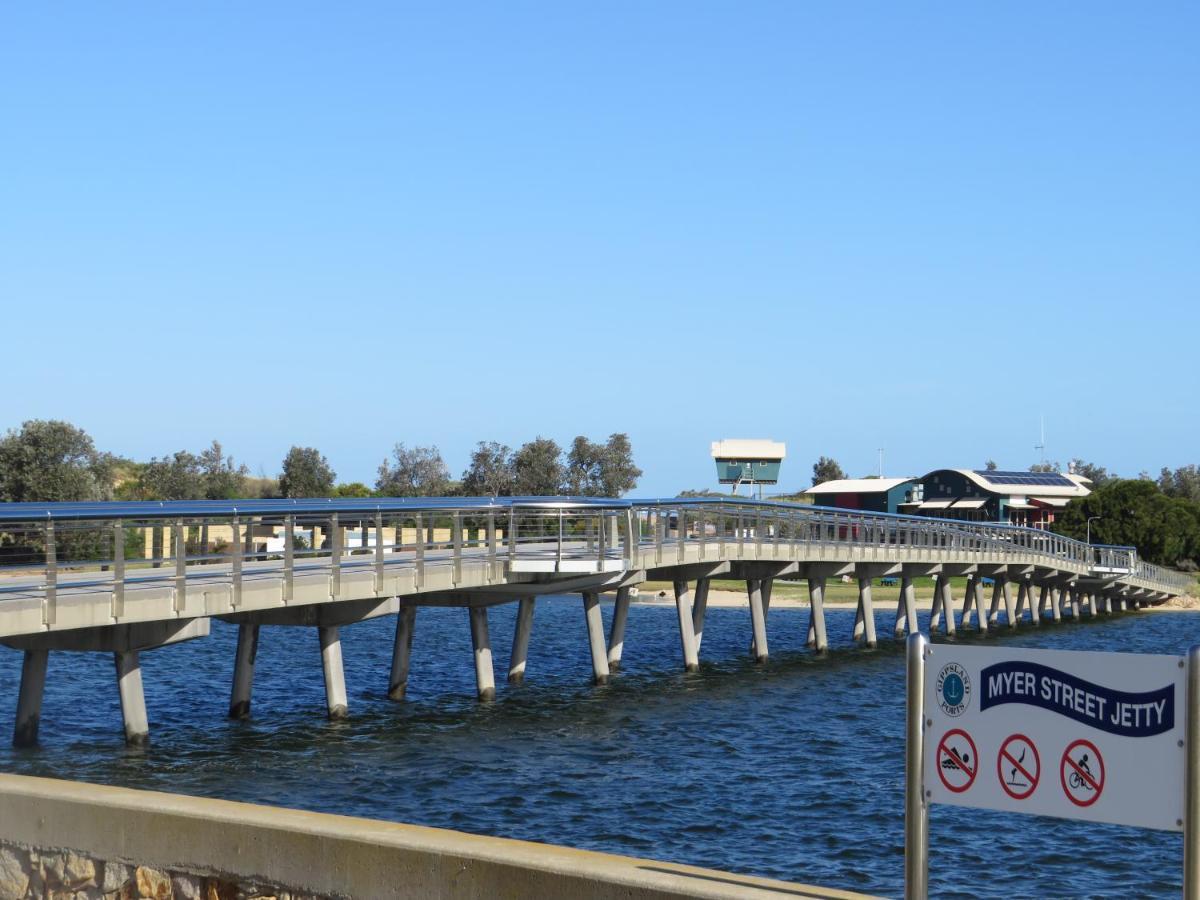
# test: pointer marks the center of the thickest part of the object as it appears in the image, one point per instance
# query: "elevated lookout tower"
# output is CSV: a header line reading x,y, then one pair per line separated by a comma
x,y
752,462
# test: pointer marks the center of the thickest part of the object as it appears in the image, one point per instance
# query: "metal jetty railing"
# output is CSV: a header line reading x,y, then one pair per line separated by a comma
x,y
45,548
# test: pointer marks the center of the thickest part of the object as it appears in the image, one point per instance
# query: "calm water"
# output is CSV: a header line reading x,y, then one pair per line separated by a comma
x,y
793,771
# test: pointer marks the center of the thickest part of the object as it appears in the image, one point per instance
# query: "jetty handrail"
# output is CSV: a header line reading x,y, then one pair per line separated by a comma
x,y
151,540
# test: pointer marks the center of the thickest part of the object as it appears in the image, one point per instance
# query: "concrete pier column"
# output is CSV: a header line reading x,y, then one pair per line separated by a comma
x,y
994,609
981,619
243,672
595,630
406,621
616,632
520,644
335,676
699,608
1009,607
687,637
947,593
1043,594
906,607
968,601
29,701
481,642
758,620
1076,612
1118,603
816,615
1056,603
935,607
1022,598
864,624
133,700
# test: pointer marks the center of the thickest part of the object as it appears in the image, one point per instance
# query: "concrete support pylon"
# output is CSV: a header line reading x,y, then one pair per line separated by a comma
x,y
133,698
758,620
1043,595
1076,613
864,619
616,632
1056,601
1009,607
406,621
687,637
29,700
595,631
520,645
699,608
997,593
481,644
973,600
943,606
906,608
1022,599
336,703
243,671
817,638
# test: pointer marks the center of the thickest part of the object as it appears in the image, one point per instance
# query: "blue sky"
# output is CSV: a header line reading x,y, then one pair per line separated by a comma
x,y
843,226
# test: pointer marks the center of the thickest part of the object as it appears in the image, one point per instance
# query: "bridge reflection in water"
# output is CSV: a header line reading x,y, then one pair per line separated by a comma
x,y
126,577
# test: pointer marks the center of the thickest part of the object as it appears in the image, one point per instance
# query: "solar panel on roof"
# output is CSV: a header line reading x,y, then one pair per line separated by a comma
x,y
1045,479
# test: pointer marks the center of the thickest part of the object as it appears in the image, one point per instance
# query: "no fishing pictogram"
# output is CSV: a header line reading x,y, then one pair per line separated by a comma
x,y
1082,773
1018,766
957,760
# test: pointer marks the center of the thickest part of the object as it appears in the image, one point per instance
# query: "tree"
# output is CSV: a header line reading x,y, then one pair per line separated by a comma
x,y
1183,482
827,469
990,465
538,469
1097,475
1045,467
175,477
491,472
416,472
1135,513
601,470
48,461
582,477
618,473
221,478
306,473
352,489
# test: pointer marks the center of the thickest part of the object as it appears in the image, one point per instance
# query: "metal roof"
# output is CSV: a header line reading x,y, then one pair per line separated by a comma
x,y
742,448
857,485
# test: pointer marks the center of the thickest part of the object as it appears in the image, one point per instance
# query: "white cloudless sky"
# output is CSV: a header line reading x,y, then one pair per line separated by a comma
x,y
842,226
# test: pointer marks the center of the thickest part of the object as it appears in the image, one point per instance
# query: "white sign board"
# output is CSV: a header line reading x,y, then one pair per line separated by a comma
x,y
1077,735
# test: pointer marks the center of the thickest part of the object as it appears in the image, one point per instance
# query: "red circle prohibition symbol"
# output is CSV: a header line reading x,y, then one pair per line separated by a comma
x,y
1024,773
948,758
1082,785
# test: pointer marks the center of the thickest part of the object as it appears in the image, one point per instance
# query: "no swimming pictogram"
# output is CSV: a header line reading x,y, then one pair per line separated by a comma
x,y
957,760
1018,766
1082,773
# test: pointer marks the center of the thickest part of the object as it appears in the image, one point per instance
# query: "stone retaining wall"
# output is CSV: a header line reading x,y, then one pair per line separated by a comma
x,y
40,874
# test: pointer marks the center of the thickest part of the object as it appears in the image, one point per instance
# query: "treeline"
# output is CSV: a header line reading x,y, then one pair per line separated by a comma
x,y
1160,517
47,461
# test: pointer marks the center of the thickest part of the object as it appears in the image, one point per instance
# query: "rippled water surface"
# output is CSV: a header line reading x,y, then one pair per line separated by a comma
x,y
793,770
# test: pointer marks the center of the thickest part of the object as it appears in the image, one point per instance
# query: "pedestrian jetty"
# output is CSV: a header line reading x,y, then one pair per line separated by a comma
x,y
126,578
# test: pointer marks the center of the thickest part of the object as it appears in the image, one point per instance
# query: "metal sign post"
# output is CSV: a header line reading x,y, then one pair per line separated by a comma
x,y
1101,737
916,812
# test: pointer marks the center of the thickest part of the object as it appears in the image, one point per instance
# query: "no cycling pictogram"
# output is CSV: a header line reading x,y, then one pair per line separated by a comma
x,y
957,760
1082,773
1018,766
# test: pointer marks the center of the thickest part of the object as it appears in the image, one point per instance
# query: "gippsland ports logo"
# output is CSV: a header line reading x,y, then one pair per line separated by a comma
x,y
953,689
